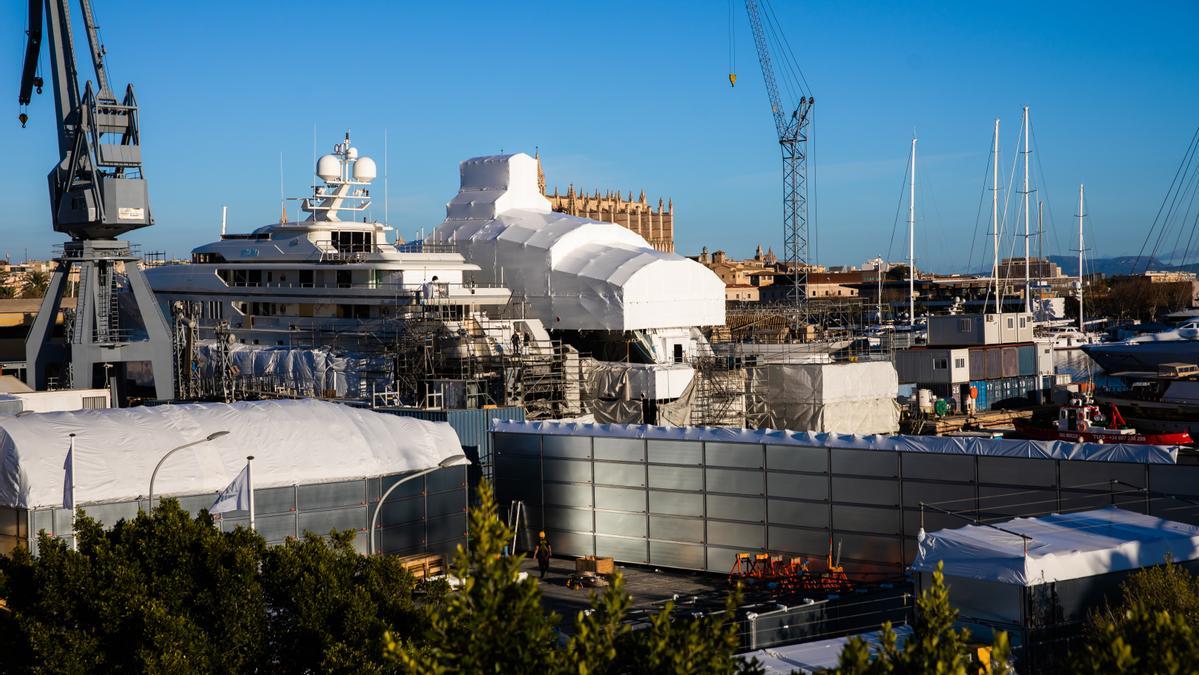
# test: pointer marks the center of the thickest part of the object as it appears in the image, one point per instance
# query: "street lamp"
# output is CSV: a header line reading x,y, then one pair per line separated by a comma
x,y
210,437
456,460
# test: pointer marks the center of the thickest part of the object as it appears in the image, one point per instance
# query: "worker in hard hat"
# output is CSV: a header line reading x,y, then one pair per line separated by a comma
x,y
542,553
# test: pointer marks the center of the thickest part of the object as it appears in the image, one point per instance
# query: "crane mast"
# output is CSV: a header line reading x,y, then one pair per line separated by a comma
x,y
793,132
97,193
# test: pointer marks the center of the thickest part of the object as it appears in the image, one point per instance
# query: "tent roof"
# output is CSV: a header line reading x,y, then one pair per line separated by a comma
x,y
1059,547
292,442
951,445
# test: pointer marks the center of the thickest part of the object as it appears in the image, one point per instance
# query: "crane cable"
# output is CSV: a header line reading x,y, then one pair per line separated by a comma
x,y
732,46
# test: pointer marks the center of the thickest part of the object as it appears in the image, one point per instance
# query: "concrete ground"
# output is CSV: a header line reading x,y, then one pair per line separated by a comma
x,y
646,585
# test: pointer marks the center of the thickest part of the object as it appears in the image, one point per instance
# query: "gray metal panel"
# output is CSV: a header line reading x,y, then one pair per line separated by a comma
x,y
517,467
866,519
620,449
567,447
669,554
622,524
742,455
1017,471
619,474
561,494
951,496
866,491
736,535
675,478
331,495
736,481
571,543
865,462
937,467
400,540
676,503
752,509
274,528
796,485
446,480
806,514
517,444
675,452
450,528
1000,502
396,511
566,470
1098,475
446,503
791,458
576,520
628,550
109,514
867,547
721,559
274,500
677,529
341,519
41,519
620,499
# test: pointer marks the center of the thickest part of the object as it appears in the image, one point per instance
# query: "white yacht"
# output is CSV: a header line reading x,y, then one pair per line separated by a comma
x,y
324,278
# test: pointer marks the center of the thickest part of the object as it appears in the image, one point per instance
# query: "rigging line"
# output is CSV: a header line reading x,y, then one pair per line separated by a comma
x,y
899,206
1166,222
979,213
810,158
1007,199
788,80
1045,181
1190,151
789,52
1181,222
1186,256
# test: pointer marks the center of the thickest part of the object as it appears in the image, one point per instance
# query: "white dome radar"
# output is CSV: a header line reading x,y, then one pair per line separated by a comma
x,y
328,168
351,153
364,170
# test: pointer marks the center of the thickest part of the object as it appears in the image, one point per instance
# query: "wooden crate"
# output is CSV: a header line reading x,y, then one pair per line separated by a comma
x,y
590,563
424,565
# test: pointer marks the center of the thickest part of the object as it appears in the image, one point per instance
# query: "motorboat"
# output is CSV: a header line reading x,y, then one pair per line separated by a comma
x,y
1146,353
1083,421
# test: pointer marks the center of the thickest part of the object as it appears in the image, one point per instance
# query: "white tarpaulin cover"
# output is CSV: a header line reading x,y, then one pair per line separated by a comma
x,y
1001,447
293,442
818,656
320,371
575,273
846,398
1060,546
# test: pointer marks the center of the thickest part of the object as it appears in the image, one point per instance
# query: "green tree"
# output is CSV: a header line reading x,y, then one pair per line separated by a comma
x,y
934,646
495,623
1149,630
36,283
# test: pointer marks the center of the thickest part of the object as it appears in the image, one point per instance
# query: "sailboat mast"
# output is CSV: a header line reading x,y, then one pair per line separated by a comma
x,y
995,217
912,242
1082,325
1027,273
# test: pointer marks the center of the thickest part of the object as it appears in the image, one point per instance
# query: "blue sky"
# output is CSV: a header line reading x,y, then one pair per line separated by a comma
x,y
631,96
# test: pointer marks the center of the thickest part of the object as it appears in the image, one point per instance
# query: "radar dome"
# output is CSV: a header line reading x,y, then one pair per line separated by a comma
x,y
364,170
328,167
351,153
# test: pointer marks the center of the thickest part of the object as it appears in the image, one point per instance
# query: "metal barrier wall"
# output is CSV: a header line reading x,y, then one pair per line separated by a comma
x,y
426,514
695,504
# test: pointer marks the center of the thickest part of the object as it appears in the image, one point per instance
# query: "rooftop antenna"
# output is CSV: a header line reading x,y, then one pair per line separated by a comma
x,y
224,218
912,241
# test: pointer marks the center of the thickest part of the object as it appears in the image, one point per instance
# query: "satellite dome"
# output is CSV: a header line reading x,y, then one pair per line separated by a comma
x,y
328,168
351,153
364,170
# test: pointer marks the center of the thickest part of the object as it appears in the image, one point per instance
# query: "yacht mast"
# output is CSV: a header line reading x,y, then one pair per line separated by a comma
x,y
1082,326
912,242
995,217
1027,274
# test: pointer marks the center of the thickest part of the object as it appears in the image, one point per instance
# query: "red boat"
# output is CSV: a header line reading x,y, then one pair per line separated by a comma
x,y
1083,422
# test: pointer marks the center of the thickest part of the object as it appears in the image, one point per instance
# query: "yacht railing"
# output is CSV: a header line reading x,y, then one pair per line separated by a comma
x,y
437,290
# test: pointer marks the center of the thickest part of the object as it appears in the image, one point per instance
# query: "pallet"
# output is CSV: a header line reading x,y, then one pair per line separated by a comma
x,y
424,565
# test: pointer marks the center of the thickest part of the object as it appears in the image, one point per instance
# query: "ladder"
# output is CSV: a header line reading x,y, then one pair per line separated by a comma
x,y
517,513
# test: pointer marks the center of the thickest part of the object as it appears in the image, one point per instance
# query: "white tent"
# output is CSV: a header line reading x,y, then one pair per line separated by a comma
x,y
293,442
575,273
1059,547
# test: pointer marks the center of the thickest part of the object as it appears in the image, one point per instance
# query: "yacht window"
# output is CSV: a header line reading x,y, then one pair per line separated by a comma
x,y
254,278
352,242
306,278
207,258
678,353
344,278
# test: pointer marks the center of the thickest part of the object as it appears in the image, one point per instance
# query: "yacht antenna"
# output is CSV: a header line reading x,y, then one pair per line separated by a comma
x,y
1027,273
224,218
282,199
386,200
995,217
912,241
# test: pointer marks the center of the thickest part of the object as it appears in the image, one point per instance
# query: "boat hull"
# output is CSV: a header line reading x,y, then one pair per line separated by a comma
x,y
1033,431
1142,356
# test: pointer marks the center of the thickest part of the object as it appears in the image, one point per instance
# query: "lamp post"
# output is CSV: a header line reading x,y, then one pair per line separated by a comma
x,y
456,460
210,437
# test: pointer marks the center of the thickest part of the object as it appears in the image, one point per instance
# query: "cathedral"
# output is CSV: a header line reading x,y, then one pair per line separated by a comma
x,y
655,225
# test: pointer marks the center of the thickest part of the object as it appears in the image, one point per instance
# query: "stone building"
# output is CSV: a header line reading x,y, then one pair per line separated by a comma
x,y
656,225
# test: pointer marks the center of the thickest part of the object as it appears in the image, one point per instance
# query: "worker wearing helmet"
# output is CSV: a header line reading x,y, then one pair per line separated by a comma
x,y
542,553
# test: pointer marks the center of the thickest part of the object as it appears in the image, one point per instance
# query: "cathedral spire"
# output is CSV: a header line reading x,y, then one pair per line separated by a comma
x,y
540,172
